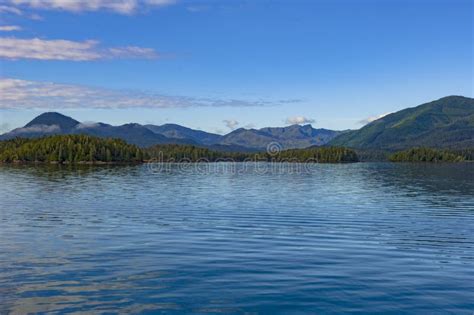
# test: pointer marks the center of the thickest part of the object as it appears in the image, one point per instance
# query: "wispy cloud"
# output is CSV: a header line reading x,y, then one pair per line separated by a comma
x,y
60,49
87,125
11,10
23,94
132,51
9,28
4,127
6,9
231,123
299,120
373,118
291,101
117,6
197,8
37,128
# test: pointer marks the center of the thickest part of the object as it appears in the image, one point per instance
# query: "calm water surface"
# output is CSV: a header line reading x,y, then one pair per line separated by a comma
x,y
335,238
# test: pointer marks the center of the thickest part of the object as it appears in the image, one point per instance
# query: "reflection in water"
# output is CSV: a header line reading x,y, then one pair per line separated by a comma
x,y
337,238
419,178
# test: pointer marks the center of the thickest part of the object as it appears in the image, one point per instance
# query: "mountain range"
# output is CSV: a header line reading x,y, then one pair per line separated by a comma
x,y
444,123
243,140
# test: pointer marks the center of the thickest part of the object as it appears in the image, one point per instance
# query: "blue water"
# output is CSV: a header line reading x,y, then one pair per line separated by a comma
x,y
385,238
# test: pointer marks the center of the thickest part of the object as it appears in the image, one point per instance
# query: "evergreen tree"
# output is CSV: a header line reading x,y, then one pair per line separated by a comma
x,y
70,148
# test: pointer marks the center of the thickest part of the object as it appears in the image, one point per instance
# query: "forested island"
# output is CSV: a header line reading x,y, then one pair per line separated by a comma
x,y
432,155
176,153
316,154
70,149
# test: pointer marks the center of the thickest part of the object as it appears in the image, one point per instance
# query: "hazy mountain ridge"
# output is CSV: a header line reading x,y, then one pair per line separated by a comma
x,y
294,136
246,140
57,124
180,132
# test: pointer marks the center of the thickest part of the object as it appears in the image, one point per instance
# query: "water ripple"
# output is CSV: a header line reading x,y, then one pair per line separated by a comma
x,y
381,238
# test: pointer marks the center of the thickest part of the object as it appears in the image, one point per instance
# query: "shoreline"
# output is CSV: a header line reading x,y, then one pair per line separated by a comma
x,y
103,163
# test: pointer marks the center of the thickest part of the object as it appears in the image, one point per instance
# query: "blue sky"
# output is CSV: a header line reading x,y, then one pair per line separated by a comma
x,y
255,63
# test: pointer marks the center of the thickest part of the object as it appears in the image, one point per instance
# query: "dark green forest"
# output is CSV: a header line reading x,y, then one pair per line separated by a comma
x,y
371,155
176,153
69,149
432,155
190,153
89,149
316,155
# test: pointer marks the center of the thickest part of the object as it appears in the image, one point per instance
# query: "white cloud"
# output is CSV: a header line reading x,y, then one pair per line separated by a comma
x,y
231,123
9,28
4,127
128,51
37,128
87,125
298,120
5,9
23,94
10,10
42,49
373,118
117,6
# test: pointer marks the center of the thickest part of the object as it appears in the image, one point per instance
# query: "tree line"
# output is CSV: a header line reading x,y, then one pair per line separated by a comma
x,y
190,153
69,149
315,154
177,153
85,149
432,155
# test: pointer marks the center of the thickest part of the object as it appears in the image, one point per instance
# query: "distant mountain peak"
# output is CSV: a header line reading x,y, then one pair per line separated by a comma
x,y
132,125
180,132
453,97
53,119
293,136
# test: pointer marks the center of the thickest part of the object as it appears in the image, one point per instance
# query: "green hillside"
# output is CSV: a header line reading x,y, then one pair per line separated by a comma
x,y
445,123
